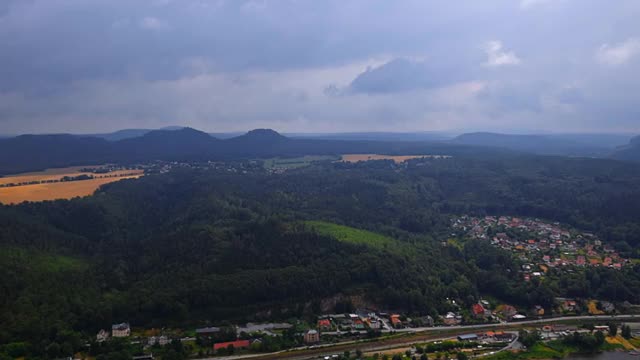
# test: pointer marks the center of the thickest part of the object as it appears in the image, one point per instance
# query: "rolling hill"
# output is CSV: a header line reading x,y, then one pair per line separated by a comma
x,y
630,152
37,152
596,145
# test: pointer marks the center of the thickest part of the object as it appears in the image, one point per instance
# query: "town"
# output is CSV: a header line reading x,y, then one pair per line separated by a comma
x,y
539,244
265,338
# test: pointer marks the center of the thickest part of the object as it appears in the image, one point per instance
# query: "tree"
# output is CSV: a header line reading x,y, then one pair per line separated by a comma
x,y
358,353
529,338
599,337
424,357
613,329
626,331
462,356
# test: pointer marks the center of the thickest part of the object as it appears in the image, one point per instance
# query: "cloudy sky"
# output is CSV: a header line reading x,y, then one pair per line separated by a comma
x,y
320,65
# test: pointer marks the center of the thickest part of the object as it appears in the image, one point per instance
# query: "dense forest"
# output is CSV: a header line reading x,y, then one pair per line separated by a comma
x,y
196,247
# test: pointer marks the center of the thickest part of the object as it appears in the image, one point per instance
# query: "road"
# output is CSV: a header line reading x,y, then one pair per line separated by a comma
x,y
422,334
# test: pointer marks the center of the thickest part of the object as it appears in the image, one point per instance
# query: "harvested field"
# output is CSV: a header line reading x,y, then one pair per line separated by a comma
x,y
57,174
396,158
53,191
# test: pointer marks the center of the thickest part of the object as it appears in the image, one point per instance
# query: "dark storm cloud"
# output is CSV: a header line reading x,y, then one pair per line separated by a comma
x,y
307,65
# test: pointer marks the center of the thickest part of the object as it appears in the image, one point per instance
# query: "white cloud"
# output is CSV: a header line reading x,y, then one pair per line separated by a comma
x,y
618,54
496,56
152,23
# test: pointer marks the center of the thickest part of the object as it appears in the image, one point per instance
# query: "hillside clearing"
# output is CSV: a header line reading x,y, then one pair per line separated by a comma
x,y
350,235
39,261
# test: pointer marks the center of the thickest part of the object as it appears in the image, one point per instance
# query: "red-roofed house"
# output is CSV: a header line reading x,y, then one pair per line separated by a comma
x,y
395,320
477,310
238,344
324,324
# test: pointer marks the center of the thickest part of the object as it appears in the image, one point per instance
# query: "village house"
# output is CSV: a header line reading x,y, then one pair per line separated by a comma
x,y
120,330
312,337
507,311
374,324
478,311
207,331
451,319
395,320
502,336
158,340
607,306
324,324
569,305
103,335
538,310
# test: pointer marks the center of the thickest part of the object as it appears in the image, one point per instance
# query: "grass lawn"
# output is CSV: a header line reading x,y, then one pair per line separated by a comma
x,y
291,163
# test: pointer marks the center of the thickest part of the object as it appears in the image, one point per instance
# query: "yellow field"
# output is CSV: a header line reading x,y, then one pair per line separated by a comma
x,y
396,158
53,191
59,173
619,340
593,308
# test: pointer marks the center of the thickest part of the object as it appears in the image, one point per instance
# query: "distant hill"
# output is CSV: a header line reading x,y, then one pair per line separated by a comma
x,y
376,136
185,143
36,152
629,152
129,133
596,145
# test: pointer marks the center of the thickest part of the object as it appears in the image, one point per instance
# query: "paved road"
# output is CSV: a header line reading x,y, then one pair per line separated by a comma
x,y
299,353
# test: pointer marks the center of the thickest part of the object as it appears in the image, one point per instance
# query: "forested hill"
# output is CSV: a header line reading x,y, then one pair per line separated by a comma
x,y
597,145
630,152
36,152
197,246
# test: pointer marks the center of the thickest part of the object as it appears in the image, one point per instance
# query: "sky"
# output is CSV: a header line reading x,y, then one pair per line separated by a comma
x,y
534,66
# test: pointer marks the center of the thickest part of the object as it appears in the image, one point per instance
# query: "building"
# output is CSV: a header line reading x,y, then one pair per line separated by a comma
x,y
158,340
502,336
143,357
103,335
324,324
477,311
207,331
569,305
395,320
312,337
238,344
468,337
120,330
507,311
451,319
